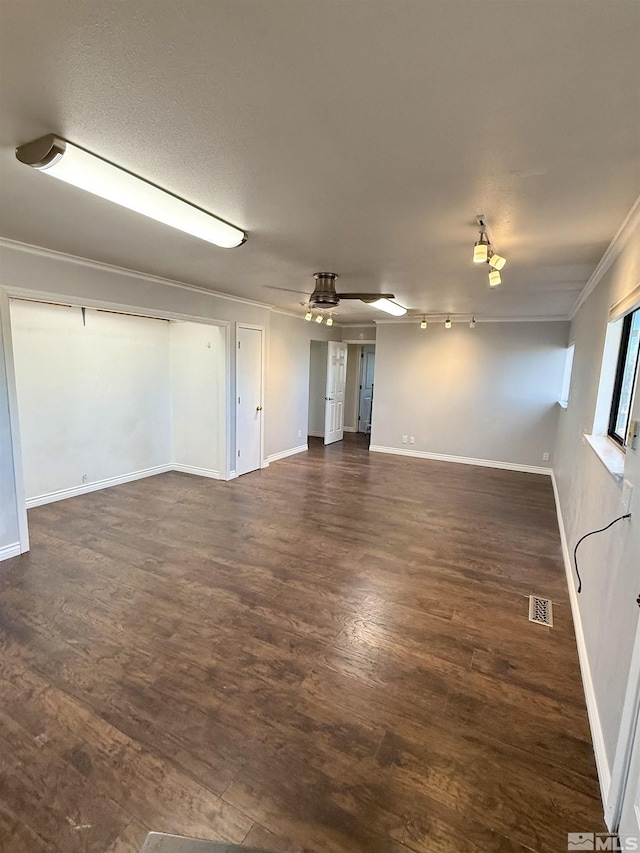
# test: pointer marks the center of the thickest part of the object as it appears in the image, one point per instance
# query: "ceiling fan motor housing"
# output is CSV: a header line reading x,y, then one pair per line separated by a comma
x,y
324,294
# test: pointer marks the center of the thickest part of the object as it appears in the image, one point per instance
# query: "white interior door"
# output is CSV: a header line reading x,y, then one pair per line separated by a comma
x,y
249,377
334,397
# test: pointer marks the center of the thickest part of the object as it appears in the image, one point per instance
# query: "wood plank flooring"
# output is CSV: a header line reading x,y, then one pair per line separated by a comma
x,y
330,655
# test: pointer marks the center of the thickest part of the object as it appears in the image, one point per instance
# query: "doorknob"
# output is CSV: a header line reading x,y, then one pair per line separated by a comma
x,y
328,398
258,408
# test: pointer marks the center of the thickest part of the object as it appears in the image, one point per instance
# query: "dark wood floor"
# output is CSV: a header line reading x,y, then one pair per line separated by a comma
x,y
330,655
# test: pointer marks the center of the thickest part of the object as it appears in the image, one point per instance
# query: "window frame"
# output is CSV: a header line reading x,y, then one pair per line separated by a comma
x,y
621,363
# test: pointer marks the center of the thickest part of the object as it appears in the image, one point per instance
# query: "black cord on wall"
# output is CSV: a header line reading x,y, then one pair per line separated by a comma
x,y
586,535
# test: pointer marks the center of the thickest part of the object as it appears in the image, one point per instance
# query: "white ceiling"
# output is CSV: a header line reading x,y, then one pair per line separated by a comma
x,y
358,136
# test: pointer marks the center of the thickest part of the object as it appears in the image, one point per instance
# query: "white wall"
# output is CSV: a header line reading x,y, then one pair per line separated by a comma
x,y
486,393
590,497
197,356
317,387
93,397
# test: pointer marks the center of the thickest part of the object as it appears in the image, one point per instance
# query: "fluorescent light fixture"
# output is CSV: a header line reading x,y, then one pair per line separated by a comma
x,y
388,306
319,318
447,323
329,321
423,324
308,316
472,324
61,159
494,278
496,260
481,250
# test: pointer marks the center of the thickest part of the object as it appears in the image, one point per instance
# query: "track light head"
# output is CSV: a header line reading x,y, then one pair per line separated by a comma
x,y
481,249
423,323
494,278
308,316
496,261
319,318
447,323
472,324
329,321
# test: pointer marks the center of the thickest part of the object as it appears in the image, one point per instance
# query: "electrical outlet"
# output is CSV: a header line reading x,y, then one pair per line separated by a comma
x,y
412,439
299,433
625,497
545,456
84,478
404,439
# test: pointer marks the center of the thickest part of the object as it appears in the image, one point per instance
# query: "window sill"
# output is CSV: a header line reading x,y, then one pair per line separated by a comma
x,y
611,456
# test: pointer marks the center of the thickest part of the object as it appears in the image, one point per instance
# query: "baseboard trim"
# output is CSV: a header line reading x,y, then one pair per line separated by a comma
x,y
275,457
9,551
233,475
350,429
315,433
85,488
463,460
597,737
199,472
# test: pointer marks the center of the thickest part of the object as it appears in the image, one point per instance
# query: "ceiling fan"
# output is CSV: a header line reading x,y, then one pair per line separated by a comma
x,y
324,294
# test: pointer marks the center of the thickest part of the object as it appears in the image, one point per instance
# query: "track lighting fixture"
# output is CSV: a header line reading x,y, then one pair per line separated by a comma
x,y
329,321
484,253
308,316
423,323
447,323
319,318
61,159
472,324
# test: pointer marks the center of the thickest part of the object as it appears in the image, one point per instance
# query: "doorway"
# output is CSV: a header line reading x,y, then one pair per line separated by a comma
x,y
327,389
365,399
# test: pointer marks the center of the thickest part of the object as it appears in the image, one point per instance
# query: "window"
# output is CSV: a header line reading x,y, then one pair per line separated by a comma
x,y
566,379
625,378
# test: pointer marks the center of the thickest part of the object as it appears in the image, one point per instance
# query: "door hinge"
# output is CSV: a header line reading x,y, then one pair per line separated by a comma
x,y
238,454
238,400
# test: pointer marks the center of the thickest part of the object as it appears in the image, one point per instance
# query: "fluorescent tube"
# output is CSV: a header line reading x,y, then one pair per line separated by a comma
x,y
61,159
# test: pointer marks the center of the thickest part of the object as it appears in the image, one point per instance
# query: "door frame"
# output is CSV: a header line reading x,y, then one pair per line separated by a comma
x,y
629,724
264,463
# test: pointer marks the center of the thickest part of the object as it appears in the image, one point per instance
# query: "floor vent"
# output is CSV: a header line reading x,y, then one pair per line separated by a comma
x,y
540,610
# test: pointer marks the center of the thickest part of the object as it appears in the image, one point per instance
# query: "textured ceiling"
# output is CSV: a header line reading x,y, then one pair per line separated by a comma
x,y
358,137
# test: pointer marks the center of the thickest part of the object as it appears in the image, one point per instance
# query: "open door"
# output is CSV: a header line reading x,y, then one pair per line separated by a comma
x,y
334,397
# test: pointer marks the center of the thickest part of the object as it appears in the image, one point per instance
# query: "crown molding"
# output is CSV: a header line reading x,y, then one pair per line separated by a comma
x,y
630,224
28,248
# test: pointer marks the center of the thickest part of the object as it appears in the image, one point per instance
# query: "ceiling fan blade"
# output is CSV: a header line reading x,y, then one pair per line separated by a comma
x,y
288,289
366,296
